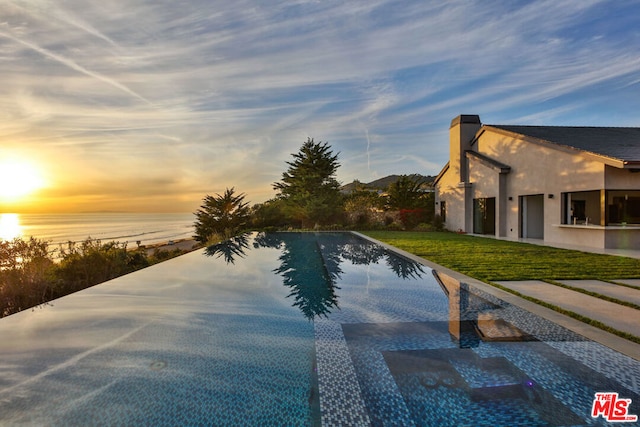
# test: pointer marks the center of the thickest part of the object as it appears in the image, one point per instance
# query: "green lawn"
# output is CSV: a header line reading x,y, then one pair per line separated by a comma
x,y
489,260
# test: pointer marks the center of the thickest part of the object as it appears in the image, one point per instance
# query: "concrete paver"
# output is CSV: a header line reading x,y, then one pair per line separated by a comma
x,y
620,317
609,289
632,282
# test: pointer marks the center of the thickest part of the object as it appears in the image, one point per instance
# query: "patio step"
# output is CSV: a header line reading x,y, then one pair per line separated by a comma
x,y
620,317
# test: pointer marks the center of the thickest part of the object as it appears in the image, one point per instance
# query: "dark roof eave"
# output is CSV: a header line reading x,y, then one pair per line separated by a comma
x,y
631,164
603,158
441,174
489,162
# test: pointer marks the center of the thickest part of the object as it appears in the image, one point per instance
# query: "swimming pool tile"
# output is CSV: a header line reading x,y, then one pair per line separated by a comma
x,y
202,368
341,401
601,359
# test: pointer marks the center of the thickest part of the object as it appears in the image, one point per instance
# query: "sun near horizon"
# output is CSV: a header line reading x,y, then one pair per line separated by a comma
x,y
19,178
30,185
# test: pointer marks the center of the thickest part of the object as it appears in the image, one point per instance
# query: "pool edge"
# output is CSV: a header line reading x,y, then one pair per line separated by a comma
x,y
619,344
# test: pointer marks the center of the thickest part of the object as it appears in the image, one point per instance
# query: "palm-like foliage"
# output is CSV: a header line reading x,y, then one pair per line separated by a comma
x,y
223,214
230,249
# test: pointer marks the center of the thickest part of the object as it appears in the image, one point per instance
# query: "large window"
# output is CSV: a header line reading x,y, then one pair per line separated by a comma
x,y
620,207
484,216
623,207
581,207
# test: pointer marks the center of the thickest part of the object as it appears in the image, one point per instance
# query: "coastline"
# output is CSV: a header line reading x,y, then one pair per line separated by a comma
x,y
127,228
184,245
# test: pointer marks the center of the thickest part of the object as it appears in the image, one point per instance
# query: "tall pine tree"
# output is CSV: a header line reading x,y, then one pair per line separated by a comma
x,y
309,187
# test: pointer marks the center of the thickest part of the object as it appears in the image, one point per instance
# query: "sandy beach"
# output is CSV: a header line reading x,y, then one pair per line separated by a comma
x,y
186,245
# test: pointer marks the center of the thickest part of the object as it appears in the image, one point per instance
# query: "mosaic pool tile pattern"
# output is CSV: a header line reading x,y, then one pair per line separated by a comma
x,y
298,329
341,401
430,355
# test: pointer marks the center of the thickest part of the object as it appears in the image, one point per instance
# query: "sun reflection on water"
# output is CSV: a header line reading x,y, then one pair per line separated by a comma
x,y
10,227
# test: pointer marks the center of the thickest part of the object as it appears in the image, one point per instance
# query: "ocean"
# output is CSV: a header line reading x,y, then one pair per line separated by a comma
x,y
130,228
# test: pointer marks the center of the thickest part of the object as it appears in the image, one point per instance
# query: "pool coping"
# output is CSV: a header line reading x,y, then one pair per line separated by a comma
x,y
614,342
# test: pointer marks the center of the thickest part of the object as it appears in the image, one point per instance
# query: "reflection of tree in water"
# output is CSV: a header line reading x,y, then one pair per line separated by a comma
x,y
305,271
362,252
310,265
404,267
230,249
268,240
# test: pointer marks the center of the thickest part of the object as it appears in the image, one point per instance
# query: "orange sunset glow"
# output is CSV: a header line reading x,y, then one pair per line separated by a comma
x,y
20,179
146,106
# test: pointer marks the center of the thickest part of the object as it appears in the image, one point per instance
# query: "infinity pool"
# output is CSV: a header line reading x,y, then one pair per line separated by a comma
x,y
298,329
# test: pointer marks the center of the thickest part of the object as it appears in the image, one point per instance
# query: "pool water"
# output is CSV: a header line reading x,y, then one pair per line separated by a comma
x,y
298,329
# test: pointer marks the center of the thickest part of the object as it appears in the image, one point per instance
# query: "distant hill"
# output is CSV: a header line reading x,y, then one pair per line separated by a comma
x,y
383,183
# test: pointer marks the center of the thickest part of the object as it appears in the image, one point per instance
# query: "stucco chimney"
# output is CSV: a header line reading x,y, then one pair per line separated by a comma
x,y
461,132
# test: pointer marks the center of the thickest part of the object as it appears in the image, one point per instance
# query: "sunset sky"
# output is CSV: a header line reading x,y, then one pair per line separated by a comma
x,y
149,105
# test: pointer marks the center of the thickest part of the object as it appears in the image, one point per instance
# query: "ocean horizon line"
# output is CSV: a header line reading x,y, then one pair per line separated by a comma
x,y
130,228
95,212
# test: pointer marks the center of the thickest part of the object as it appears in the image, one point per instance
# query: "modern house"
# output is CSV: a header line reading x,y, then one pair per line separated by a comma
x,y
561,184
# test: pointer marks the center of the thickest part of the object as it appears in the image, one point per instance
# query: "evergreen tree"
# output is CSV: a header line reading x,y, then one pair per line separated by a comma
x,y
271,213
309,188
223,215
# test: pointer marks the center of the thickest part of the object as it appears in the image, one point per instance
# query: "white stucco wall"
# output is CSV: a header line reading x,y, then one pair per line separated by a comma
x,y
541,169
535,169
447,189
621,179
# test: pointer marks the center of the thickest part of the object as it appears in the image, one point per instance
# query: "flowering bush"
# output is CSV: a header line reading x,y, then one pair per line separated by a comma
x,y
410,218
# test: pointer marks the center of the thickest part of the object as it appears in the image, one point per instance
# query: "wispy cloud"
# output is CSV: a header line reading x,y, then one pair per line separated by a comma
x,y
211,94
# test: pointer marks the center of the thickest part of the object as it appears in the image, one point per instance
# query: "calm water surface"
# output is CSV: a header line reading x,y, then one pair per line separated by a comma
x,y
122,227
298,329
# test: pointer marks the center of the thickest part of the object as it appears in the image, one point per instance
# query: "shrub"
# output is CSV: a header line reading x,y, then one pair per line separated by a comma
x,y
410,218
24,274
30,277
92,262
423,226
160,255
438,223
